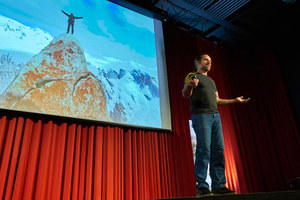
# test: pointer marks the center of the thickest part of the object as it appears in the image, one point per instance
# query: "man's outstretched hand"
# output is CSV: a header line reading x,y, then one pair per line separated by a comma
x,y
241,100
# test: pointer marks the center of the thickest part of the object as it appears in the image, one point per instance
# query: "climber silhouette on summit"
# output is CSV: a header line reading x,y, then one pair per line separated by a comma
x,y
71,21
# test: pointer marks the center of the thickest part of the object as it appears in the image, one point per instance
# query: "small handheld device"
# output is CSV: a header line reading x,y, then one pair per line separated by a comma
x,y
191,75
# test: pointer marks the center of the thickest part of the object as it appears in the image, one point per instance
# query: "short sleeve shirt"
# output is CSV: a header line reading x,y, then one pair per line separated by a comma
x,y
203,98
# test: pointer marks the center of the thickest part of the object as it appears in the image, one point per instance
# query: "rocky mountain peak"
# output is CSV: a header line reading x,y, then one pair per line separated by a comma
x,y
57,81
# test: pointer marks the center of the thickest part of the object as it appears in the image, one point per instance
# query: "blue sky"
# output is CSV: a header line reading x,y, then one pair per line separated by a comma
x,y
105,30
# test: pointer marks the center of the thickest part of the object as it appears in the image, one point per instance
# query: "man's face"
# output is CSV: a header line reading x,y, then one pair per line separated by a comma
x,y
205,63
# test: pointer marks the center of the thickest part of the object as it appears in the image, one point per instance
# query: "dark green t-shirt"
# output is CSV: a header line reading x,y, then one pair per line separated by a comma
x,y
203,98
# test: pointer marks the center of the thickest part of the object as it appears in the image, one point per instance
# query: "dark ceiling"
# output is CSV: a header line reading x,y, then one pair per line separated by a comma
x,y
227,22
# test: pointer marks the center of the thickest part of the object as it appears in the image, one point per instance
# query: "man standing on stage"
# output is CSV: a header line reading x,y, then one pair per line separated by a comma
x,y
71,21
208,128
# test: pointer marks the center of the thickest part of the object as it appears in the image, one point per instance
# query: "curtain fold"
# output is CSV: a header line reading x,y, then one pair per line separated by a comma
x,y
45,159
268,136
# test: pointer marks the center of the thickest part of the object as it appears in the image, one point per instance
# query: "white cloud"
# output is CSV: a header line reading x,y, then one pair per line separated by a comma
x,y
111,59
104,29
139,21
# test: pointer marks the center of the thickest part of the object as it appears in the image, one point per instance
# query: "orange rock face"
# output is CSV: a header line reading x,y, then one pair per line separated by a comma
x,y
56,81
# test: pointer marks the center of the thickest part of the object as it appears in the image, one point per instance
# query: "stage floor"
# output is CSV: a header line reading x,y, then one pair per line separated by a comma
x,y
280,195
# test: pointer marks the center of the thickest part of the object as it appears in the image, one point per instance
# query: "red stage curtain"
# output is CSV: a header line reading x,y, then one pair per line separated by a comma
x,y
267,136
262,143
46,160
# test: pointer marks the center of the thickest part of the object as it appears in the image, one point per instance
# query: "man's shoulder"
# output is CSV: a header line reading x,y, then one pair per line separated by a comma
x,y
206,80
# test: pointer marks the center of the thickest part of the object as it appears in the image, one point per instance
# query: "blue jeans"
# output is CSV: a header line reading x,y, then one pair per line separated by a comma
x,y
210,149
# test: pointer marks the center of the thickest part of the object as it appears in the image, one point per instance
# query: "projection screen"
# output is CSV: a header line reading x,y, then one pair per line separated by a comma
x,y
85,59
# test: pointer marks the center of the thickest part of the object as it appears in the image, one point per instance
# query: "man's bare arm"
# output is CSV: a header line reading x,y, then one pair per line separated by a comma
x,y
187,90
221,102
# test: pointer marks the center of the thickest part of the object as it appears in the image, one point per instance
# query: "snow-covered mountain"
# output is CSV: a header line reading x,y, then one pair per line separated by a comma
x,y
18,37
132,96
18,43
8,71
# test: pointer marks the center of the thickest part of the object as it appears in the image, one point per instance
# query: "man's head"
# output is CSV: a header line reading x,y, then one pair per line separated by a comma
x,y
203,63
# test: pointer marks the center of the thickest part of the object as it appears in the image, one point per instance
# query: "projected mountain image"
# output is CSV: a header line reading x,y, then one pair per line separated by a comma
x,y
55,75
57,81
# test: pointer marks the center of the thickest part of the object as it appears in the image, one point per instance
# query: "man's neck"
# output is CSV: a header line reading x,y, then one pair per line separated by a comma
x,y
202,72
